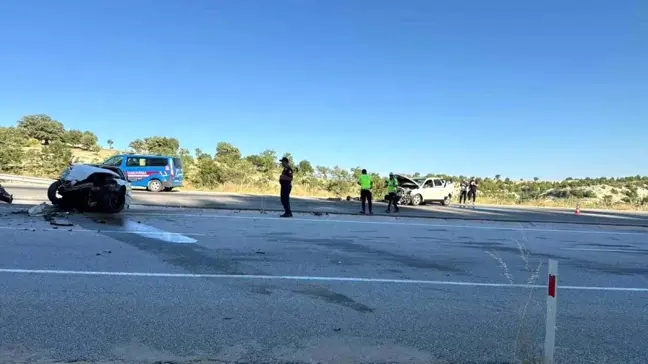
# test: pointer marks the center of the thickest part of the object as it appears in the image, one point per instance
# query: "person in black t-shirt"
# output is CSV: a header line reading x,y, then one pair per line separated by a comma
x,y
472,192
285,180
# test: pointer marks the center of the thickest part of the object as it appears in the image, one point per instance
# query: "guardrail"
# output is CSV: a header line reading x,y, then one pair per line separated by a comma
x,y
16,178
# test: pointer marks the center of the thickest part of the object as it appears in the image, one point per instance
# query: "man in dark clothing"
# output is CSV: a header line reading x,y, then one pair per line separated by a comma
x,y
473,190
285,180
5,196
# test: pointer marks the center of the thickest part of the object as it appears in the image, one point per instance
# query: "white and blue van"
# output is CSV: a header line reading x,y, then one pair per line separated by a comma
x,y
155,172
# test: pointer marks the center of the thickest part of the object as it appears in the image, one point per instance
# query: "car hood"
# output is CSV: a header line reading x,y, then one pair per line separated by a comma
x,y
406,181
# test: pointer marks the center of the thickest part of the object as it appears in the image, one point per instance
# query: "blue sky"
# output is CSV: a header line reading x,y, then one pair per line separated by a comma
x,y
518,88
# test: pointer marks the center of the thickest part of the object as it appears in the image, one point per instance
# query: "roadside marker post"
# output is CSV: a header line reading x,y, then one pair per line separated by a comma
x,y
552,296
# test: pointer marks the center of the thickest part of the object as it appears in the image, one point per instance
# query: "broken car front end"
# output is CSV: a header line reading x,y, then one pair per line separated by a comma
x,y
87,187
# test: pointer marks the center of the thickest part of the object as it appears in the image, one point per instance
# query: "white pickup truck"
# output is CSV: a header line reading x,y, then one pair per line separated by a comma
x,y
416,191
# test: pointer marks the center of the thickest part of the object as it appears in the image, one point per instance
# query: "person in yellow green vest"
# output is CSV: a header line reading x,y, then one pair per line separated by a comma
x,y
392,185
366,184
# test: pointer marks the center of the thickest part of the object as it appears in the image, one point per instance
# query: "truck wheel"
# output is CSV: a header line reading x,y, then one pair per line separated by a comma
x,y
446,201
417,199
155,185
52,193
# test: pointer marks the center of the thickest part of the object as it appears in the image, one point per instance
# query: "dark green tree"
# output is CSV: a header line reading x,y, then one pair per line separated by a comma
x,y
73,137
42,127
89,141
227,153
12,141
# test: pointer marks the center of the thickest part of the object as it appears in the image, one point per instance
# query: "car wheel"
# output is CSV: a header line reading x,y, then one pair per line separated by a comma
x,y
417,199
114,202
52,192
155,185
446,201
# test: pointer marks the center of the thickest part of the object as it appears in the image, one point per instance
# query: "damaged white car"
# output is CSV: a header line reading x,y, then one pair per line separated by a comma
x,y
91,187
416,191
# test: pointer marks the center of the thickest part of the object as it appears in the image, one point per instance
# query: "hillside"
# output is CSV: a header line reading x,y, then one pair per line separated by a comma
x,y
41,146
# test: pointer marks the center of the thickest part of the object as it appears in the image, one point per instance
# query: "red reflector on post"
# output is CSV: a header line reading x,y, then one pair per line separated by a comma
x,y
552,285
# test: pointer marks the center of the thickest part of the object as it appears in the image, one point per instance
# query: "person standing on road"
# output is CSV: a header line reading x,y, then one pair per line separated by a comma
x,y
392,185
463,192
366,184
285,180
5,196
473,190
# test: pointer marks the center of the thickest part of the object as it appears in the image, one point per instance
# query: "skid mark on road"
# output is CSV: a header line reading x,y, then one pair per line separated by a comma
x,y
310,278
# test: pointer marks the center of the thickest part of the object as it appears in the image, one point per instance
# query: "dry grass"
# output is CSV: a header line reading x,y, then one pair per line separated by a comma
x,y
565,203
297,190
84,156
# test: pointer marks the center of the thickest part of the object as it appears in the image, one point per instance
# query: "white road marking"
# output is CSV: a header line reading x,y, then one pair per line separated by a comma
x,y
393,223
312,278
606,250
155,233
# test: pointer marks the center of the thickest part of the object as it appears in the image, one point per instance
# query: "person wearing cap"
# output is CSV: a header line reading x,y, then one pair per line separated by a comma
x,y
392,185
366,184
285,180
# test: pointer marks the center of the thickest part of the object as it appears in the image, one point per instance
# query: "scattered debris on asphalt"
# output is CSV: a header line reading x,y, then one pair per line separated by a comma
x,y
57,222
38,210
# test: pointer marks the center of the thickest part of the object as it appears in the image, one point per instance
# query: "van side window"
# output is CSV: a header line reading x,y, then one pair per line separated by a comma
x,y
132,162
156,162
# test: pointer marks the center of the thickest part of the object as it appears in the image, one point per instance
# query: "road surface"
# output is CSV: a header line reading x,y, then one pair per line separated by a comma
x,y
302,204
173,285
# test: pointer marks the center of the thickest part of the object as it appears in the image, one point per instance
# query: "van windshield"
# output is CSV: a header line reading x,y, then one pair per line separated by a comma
x,y
114,161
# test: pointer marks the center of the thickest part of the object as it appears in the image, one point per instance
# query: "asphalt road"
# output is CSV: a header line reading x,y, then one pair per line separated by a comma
x,y
186,286
300,204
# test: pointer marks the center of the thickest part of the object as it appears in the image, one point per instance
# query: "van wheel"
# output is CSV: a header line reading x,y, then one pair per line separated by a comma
x,y
155,185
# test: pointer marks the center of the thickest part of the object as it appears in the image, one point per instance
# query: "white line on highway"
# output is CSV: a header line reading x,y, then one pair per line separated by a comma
x,y
311,278
606,250
393,223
